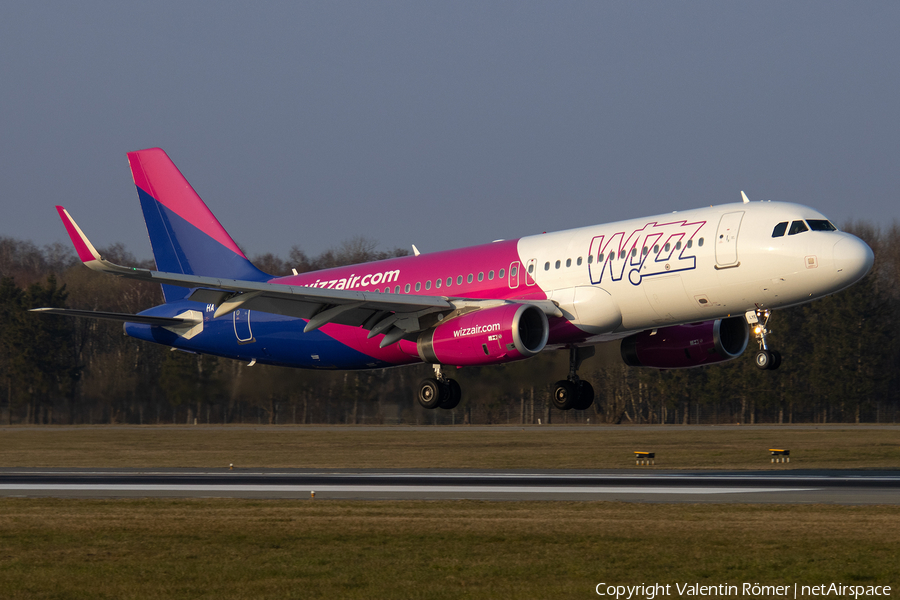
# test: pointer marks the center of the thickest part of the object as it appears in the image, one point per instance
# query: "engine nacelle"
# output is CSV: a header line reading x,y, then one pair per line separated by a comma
x,y
486,337
684,346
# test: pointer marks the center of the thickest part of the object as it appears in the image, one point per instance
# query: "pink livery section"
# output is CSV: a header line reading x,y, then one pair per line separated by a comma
x,y
488,271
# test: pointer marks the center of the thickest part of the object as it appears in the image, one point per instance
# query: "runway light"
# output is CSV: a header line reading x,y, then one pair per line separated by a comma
x,y
312,495
231,466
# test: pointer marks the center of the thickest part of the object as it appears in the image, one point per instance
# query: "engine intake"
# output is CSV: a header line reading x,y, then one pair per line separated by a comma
x,y
488,336
685,346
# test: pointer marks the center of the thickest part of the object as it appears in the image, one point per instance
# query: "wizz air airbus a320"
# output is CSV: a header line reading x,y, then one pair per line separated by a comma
x,y
677,290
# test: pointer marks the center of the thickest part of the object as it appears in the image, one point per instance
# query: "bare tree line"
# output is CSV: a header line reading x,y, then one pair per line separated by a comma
x,y
841,361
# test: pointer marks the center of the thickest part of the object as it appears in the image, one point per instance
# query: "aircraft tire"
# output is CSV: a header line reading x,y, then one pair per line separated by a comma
x,y
454,395
764,360
429,393
585,396
776,360
563,395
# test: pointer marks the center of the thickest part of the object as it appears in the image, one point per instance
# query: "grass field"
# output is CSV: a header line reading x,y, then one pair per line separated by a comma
x,y
315,549
812,447
214,548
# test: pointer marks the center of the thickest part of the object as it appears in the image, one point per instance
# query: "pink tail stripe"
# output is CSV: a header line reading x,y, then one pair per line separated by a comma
x,y
86,250
156,174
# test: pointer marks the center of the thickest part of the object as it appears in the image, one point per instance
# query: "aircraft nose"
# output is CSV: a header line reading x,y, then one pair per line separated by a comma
x,y
852,258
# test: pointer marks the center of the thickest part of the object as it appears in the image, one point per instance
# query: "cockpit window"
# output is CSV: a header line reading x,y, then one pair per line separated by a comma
x,y
797,227
820,225
780,229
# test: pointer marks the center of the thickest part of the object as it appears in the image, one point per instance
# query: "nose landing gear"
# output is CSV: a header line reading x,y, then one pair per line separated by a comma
x,y
766,360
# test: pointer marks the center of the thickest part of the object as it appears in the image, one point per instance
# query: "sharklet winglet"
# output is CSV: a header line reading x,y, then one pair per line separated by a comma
x,y
83,246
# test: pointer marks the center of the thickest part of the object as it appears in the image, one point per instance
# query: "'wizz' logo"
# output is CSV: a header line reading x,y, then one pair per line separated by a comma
x,y
654,249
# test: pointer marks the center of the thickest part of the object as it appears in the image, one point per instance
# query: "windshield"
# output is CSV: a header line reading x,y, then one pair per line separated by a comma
x,y
820,225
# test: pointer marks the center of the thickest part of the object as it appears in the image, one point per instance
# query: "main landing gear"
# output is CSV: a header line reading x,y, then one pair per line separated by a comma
x,y
439,391
570,393
766,360
574,392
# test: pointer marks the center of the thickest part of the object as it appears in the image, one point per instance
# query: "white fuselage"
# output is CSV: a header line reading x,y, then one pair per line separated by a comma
x,y
688,266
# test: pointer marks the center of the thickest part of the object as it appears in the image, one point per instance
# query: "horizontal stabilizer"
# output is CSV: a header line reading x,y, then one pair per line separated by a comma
x,y
121,317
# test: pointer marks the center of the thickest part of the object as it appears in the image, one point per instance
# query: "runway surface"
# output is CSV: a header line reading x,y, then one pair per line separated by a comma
x,y
650,485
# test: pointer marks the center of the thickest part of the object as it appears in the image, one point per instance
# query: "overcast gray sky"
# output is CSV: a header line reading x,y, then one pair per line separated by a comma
x,y
444,124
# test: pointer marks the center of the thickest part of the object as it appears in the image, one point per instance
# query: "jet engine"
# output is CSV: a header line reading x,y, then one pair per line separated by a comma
x,y
487,336
684,346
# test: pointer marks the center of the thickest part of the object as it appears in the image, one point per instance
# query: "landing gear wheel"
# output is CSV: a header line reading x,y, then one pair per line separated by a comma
x,y
453,394
585,396
430,393
776,359
764,360
563,395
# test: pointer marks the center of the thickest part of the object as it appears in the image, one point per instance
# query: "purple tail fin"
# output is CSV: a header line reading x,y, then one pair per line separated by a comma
x,y
185,236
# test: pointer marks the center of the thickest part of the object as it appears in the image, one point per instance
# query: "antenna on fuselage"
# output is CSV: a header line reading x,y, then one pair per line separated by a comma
x,y
415,250
744,196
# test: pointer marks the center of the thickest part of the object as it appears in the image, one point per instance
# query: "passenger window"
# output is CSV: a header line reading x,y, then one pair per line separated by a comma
x,y
515,270
397,289
459,280
600,257
656,249
644,251
568,262
481,276
579,261
700,242
590,259
387,290
546,266
678,245
406,289
557,264
634,252
449,281
820,225
469,278
418,286
668,247
797,227
780,229
690,243
502,273
621,254
437,284
491,275
428,285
